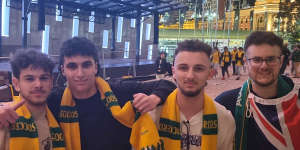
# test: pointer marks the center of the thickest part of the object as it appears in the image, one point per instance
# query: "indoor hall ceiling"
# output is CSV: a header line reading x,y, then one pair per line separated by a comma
x,y
125,8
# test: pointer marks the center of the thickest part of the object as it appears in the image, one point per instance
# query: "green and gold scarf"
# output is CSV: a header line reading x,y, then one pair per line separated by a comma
x,y
144,134
24,133
242,111
169,124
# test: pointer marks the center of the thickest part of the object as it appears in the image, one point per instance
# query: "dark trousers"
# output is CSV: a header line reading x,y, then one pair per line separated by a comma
x,y
233,67
225,69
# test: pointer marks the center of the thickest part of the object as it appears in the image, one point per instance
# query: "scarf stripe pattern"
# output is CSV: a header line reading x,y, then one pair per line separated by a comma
x,y
24,133
169,125
144,135
69,121
241,111
68,118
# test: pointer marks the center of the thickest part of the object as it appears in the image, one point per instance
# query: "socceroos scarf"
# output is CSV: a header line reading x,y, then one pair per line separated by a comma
x,y
169,124
24,133
144,134
242,114
68,118
242,111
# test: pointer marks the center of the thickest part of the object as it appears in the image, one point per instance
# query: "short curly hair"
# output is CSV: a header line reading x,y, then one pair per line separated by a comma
x,y
193,46
25,58
263,37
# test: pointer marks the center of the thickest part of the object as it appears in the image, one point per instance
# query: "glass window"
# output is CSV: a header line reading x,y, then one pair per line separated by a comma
x,y
132,23
75,26
45,40
58,16
141,36
126,49
34,1
92,22
28,22
149,56
120,29
105,39
148,31
5,17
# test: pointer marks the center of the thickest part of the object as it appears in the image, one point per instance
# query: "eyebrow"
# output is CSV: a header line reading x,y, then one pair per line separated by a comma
x,y
87,61
197,65
265,57
30,75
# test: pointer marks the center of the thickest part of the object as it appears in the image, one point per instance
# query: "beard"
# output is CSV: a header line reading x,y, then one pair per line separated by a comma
x,y
264,84
34,103
191,93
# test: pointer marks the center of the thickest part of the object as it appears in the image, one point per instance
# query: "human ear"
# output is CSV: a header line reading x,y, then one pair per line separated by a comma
x,y
16,83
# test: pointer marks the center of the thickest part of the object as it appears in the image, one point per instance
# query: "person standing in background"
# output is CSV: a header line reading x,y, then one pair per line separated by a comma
x,y
239,62
225,62
286,53
233,60
295,70
161,66
215,59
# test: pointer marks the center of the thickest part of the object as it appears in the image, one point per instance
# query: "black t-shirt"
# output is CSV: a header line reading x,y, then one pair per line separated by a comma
x,y
98,129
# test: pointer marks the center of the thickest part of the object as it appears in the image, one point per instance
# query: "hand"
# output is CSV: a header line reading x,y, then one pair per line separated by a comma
x,y
8,114
144,103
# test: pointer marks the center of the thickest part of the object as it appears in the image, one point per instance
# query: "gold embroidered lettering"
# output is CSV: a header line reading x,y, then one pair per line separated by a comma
x,y
57,137
210,124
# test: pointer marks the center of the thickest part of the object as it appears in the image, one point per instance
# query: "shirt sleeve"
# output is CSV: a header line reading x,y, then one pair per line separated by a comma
x,y
4,139
125,89
228,99
230,132
226,128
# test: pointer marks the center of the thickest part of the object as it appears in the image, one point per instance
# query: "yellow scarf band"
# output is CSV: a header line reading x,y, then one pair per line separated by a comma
x,y
144,134
24,133
169,124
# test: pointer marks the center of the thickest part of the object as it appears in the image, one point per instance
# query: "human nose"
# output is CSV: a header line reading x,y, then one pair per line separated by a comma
x,y
190,73
38,83
264,63
80,71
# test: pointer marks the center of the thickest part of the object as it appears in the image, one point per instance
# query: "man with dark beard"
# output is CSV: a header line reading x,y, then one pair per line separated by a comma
x,y
190,119
266,107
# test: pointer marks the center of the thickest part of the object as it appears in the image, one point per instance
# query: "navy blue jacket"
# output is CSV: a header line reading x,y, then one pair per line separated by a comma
x,y
255,138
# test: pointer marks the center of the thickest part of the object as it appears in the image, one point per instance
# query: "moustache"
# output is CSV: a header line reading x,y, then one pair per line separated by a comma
x,y
38,92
